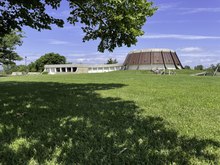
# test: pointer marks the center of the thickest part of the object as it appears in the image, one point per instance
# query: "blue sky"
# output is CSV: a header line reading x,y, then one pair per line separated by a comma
x,y
190,27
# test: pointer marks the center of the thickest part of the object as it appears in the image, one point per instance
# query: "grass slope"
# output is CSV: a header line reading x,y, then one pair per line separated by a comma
x,y
127,117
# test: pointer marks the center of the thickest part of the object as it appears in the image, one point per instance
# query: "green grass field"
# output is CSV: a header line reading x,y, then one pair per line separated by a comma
x,y
126,117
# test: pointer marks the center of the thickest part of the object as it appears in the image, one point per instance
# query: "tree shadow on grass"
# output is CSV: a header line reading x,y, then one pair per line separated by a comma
x,y
71,123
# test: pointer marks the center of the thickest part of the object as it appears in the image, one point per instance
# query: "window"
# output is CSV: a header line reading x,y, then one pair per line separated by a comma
x,y
58,69
68,69
74,69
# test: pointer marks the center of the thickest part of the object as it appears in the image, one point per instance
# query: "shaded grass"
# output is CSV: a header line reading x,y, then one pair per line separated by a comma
x,y
112,118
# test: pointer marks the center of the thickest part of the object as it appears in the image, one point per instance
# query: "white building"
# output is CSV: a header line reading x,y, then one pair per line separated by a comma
x,y
81,68
146,59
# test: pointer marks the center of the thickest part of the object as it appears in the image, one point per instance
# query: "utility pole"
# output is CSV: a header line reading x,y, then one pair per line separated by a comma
x,y
25,61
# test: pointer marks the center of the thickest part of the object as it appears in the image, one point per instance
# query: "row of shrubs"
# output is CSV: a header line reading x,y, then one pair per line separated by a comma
x,y
201,67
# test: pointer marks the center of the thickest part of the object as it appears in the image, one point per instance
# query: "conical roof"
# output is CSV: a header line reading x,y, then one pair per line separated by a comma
x,y
155,57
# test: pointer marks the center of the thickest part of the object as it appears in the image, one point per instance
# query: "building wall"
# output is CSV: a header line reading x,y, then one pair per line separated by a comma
x,y
152,59
71,68
170,66
148,67
82,70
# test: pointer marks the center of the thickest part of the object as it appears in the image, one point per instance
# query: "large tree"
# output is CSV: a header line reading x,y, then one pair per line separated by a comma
x,y
114,22
8,44
49,58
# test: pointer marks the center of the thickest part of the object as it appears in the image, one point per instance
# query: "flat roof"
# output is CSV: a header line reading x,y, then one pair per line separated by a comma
x,y
151,50
82,65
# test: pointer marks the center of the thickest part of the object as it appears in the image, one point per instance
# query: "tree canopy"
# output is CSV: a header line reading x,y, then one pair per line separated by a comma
x,y
199,67
112,61
187,67
8,45
114,22
49,58
215,67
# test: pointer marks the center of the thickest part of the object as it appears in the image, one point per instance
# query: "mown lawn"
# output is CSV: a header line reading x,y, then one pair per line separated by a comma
x,y
127,117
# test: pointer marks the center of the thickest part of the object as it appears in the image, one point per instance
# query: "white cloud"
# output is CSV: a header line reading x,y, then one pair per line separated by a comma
x,y
197,60
76,55
167,21
202,54
61,42
193,56
58,42
179,36
96,57
187,62
166,6
181,21
191,50
184,10
199,10
206,60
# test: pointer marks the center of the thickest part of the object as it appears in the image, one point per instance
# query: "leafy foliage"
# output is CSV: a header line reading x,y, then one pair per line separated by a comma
x,y
16,13
8,69
215,67
112,61
114,22
32,67
49,58
187,67
199,67
8,44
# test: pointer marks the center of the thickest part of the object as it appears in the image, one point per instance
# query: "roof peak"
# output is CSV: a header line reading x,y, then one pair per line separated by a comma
x,y
152,50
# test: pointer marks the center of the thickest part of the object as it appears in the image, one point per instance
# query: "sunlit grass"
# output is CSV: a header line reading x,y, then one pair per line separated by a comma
x,y
131,117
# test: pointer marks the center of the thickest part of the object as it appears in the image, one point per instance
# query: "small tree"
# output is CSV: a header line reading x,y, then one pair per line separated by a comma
x,y
187,67
112,61
20,68
215,67
8,45
218,67
199,67
32,67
